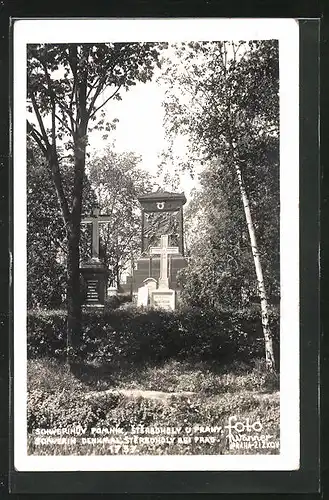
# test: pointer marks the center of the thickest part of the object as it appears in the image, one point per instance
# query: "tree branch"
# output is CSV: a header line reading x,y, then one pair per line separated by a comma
x,y
64,249
52,154
63,123
40,120
102,80
106,101
37,137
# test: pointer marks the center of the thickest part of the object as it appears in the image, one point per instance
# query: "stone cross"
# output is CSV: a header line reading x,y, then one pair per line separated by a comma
x,y
164,250
95,219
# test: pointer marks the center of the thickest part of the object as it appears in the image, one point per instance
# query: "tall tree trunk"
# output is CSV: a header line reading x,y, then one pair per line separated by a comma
x,y
268,340
117,275
74,315
73,257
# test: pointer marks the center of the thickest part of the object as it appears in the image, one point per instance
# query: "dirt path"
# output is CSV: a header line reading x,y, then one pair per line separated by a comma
x,y
138,393
166,396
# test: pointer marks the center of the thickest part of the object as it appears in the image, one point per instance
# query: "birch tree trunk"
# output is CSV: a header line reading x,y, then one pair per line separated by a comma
x,y
268,340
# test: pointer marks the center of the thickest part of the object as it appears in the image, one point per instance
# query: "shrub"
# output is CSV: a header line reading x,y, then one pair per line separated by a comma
x,y
136,336
46,333
115,301
67,409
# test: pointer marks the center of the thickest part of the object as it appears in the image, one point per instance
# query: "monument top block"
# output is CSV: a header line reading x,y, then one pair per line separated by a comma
x,y
162,201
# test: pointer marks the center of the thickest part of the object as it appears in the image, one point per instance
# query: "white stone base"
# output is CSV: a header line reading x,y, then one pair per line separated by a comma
x,y
163,298
93,306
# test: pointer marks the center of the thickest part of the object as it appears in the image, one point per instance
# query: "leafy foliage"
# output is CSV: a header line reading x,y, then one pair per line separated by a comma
x,y
46,235
223,97
226,90
118,181
55,73
220,270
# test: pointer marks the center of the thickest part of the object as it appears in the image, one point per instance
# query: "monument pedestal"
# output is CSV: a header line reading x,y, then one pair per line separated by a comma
x,y
94,275
163,298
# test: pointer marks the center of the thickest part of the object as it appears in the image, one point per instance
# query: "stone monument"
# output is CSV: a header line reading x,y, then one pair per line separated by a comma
x,y
162,213
164,296
94,272
162,250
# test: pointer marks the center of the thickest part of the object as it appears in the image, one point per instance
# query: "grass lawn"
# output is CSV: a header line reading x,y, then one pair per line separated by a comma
x,y
94,410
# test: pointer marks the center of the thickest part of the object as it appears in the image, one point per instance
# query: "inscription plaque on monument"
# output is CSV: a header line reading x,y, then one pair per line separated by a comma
x,y
164,299
92,292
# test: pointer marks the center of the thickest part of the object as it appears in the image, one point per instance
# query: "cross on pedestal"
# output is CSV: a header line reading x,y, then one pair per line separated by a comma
x,y
95,220
164,250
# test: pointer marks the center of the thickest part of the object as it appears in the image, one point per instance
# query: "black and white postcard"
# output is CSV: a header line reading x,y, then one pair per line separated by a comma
x,y
156,243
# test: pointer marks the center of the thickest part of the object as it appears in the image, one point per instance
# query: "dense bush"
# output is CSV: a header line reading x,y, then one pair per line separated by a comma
x,y
115,301
115,336
67,409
